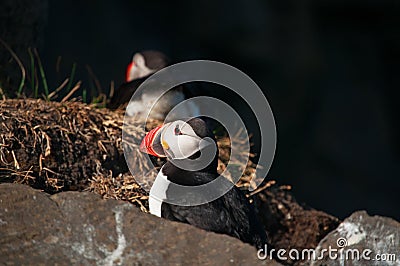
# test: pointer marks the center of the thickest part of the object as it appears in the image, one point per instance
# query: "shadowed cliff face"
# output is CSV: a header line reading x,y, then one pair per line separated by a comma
x,y
328,68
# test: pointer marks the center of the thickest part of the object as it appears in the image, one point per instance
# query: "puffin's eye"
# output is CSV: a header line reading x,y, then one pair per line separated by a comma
x,y
177,131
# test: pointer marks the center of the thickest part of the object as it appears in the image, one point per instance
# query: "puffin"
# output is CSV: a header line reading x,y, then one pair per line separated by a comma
x,y
142,66
181,142
145,63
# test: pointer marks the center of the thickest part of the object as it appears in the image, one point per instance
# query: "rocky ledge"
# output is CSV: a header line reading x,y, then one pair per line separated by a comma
x,y
80,228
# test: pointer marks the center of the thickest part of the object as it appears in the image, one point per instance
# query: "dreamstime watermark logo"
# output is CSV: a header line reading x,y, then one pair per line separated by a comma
x,y
341,242
341,252
160,84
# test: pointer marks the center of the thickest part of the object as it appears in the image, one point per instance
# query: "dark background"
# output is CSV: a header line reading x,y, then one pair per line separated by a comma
x,y
330,70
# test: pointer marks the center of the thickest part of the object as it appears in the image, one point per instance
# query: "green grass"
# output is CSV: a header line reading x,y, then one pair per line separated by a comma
x,y
34,85
21,66
33,78
84,94
43,75
72,76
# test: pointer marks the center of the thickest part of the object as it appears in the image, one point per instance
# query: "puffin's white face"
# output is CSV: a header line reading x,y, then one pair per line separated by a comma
x,y
137,68
177,139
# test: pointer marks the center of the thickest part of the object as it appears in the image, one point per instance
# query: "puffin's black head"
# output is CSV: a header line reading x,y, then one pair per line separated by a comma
x,y
182,140
145,63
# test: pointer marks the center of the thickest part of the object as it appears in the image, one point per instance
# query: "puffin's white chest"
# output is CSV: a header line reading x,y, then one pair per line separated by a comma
x,y
158,193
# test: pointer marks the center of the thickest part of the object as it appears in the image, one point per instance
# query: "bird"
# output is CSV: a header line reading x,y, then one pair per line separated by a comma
x,y
181,142
145,63
142,66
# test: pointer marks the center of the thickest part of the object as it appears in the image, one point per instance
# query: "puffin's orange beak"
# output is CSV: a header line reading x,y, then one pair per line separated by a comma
x,y
128,71
151,143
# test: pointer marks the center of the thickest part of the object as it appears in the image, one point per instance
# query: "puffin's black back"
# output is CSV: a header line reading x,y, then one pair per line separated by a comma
x,y
155,59
124,93
231,214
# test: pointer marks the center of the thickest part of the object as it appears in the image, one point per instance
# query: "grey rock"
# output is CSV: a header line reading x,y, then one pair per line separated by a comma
x,y
79,228
359,239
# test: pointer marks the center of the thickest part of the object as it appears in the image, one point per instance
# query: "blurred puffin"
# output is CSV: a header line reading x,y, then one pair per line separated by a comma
x,y
142,66
181,141
145,63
